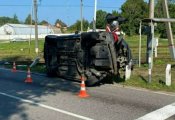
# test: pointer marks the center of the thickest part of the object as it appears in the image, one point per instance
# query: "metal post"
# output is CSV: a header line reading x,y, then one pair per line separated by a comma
x,y
94,20
36,27
156,45
169,30
140,43
151,54
81,15
155,50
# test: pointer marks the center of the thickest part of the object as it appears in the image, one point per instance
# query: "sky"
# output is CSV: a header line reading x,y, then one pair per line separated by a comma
x,y
66,10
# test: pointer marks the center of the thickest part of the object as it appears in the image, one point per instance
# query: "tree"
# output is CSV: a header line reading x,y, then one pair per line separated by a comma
x,y
15,19
115,13
134,13
77,26
161,29
4,20
101,22
28,20
171,1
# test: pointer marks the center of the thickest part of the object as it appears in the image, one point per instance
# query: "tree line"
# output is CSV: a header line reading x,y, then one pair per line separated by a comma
x,y
134,13
28,20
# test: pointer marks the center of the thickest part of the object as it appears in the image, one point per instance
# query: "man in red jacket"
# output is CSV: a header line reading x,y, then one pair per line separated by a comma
x,y
112,26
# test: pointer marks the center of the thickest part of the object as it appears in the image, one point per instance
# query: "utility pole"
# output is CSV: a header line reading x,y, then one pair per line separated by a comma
x,y
31,14
169,30
150,39
150,33
81,10
36,26
94,20
151,8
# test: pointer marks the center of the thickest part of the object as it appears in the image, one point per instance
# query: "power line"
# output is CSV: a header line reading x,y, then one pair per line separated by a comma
x,y
90,6
15,5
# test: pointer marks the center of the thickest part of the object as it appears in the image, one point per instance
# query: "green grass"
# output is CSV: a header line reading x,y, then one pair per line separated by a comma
x,y
19,51
139,78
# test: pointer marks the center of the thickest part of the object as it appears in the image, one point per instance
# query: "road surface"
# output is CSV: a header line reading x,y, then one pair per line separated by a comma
x,y
56,99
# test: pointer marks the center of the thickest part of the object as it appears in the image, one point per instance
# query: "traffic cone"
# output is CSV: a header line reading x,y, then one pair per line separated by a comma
x,y
83,93
14,67
28,79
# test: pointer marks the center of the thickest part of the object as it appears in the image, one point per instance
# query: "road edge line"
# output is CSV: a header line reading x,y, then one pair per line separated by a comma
x,y
45,106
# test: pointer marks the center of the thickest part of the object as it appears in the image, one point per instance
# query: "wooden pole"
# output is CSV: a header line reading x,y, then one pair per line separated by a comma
x,y
169,30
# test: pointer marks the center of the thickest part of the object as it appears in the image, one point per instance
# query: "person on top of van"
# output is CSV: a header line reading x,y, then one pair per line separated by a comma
x,y
113,25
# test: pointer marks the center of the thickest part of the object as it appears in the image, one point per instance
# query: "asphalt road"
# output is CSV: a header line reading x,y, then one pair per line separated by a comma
x,y
56,99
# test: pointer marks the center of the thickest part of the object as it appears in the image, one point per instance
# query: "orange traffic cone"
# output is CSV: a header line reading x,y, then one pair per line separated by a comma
x,y
83,93
28,79
14,67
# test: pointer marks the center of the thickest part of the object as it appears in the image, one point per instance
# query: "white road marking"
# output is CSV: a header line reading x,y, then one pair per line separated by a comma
x,y
160,114
146,90
45,106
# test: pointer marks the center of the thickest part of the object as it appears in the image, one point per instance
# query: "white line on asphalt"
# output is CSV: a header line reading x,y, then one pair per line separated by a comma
x,y
160,114
45,106
147,90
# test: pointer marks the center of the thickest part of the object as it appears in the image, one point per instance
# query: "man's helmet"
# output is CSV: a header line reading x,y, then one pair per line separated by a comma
x,y
114,25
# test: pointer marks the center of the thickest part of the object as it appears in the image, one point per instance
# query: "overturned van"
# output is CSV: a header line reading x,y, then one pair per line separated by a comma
x,y
93,54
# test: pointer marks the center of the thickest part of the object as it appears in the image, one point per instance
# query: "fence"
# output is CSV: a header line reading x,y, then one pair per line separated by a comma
x,y
163,53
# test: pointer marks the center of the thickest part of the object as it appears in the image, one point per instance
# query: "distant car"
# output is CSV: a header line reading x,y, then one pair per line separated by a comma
x,y
18,40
